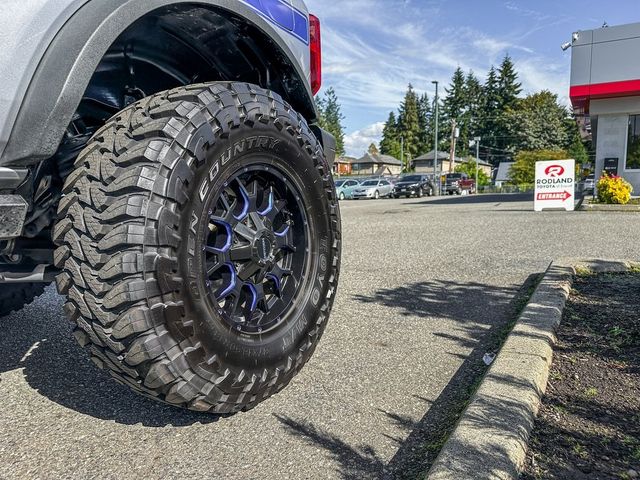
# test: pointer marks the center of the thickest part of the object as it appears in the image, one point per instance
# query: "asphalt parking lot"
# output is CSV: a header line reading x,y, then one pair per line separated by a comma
x,y
426,285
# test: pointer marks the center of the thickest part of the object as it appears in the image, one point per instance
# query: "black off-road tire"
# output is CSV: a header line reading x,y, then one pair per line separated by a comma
x,y
14,296
128,239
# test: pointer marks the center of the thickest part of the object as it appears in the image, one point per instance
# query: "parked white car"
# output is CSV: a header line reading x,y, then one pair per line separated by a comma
x,y
373,189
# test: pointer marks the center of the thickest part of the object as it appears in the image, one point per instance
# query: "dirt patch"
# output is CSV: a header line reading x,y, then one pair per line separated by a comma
x,y
589,424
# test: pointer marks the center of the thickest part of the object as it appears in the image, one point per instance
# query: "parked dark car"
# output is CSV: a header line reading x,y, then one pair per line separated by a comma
x,y
418,185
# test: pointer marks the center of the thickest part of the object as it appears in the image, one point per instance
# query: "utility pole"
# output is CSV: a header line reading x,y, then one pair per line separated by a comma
x,y
436,178
452,152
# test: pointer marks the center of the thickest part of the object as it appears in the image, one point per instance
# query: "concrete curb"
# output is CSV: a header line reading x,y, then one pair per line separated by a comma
x,y
490,440
595,207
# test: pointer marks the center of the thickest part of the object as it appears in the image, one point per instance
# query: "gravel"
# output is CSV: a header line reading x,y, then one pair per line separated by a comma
x,y
425,287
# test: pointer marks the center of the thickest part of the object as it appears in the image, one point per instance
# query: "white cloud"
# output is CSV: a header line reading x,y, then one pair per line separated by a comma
x,y
372,49
357,143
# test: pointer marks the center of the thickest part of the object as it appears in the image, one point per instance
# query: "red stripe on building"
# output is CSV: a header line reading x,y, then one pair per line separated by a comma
x,y
605,90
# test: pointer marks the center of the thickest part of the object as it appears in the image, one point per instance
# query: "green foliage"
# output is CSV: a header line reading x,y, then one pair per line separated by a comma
x,y
455,108
508,88
425,137
524,168
614,189
330,117
469,167
373,149
409,124
537,122
390,143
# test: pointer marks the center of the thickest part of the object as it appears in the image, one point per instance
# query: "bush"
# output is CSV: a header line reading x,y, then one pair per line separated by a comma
x,y
524,168
614,189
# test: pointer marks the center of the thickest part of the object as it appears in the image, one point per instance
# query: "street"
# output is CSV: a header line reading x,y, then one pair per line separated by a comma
x,y
426,286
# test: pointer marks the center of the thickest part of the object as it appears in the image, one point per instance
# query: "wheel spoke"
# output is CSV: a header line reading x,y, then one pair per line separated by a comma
x,y
248,270
244,231
240,253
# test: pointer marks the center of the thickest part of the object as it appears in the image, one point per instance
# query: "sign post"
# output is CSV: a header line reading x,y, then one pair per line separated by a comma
x,y
555,185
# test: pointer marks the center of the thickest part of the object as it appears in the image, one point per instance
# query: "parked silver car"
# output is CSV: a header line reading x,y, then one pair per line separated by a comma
x,y
373,189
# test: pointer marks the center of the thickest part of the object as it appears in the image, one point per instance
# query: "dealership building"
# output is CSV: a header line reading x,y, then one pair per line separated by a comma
x,y
605,94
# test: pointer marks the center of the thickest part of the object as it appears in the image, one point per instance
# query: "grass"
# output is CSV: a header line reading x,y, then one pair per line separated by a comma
x,y
591,392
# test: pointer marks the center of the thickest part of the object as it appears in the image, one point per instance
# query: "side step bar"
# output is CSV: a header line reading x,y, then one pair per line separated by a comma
x,y
40,274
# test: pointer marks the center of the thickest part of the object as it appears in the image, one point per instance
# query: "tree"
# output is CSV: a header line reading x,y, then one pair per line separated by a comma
x,y
469,167
409,124
507,96
455,107
537,122
390,143
524,169
489,118
330,117
425,123
373,149
508,88
576,147
474,98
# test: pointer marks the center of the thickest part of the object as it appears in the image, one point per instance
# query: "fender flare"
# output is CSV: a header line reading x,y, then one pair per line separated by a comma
x,y
67,67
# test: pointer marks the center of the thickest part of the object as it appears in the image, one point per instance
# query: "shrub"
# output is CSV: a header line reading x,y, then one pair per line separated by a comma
x,y
614,189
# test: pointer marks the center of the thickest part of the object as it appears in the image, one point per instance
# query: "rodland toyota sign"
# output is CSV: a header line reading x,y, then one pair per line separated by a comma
x,y
555,185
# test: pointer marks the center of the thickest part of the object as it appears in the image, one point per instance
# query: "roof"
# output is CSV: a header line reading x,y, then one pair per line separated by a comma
x,y
445,156
377,159
345,160
503,171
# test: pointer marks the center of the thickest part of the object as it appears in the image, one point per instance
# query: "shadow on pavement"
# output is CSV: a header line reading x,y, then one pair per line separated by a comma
x,y
495,198
58,368
483,312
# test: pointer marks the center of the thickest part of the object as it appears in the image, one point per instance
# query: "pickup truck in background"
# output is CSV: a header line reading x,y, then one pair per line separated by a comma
x,y
458,183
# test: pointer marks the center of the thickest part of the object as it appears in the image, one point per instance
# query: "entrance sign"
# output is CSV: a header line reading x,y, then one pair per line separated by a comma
x,y
555,185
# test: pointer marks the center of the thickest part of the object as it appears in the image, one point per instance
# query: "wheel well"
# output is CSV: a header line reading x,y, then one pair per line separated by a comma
x,y
183,44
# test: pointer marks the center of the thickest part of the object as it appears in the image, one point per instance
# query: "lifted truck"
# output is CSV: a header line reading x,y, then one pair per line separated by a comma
x,y
162,160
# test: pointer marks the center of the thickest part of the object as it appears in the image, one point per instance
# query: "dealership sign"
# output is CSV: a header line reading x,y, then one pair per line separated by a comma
x,y
555,185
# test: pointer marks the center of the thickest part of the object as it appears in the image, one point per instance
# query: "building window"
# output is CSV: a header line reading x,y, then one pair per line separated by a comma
x,y
633,143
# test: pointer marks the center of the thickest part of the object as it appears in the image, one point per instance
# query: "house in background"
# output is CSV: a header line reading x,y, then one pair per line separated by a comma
x,y
376,164
503,175
342,166
424,163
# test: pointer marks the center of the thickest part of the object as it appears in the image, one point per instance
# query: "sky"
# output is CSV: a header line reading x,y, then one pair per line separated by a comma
x,y
372,49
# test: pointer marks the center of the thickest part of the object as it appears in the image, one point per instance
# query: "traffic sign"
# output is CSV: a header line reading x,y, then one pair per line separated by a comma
x,y
555,185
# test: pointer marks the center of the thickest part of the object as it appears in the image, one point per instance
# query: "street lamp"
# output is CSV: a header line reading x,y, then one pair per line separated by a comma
x,y
435,153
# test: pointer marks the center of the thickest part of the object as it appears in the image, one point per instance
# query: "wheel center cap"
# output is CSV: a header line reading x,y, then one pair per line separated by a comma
x,y
263,247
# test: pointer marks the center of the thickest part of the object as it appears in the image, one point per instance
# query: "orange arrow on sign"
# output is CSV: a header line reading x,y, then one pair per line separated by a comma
x,y
555,196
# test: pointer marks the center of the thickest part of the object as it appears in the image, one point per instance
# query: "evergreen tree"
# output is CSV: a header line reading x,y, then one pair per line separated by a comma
x,y
455,107
390,143
489,114
474,97
409,125
508,86
373,149
425,123
330,117
508,90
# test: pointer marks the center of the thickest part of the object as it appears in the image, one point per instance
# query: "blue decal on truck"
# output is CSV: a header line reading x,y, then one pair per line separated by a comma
x,y
284,15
